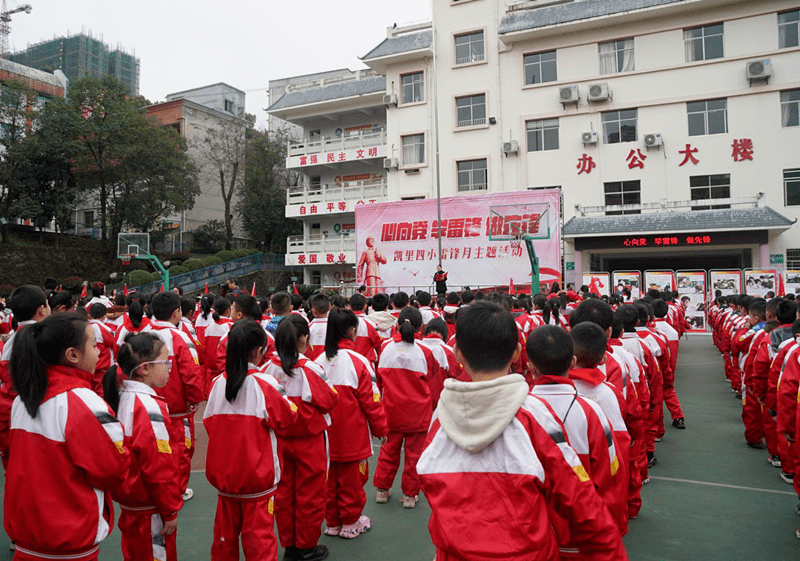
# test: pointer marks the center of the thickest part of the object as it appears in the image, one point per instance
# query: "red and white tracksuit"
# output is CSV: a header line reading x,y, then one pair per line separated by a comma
x,y
302,494
368,342
149,495
184,388
65,460
356,418
787,397
589,433
106,345
214,332
126,328
243,463
639,348
428,314
784,447
449,366
673,341
529,467
753,400
7,392
201,324
317,330
222,351
404,371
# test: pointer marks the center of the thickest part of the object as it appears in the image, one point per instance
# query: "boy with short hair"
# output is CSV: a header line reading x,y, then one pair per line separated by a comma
x,y
318,328
489,433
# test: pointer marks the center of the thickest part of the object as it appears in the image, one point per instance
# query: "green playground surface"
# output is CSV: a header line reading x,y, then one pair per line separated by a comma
x,y
710,497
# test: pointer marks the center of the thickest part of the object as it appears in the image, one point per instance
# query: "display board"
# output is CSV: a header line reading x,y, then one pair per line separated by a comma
x,y
757,282
628,279
691,292
598,283
660,280
728,282
791,281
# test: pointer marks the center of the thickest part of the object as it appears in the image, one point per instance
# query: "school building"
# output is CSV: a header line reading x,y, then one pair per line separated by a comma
x,y
671,128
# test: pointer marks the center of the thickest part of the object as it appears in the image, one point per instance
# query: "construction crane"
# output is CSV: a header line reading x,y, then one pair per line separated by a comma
x,y
5,28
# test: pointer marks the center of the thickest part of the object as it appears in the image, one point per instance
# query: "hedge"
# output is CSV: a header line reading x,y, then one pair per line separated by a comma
x,y
138,278
241,253
226,255
211,261
192,264
177,270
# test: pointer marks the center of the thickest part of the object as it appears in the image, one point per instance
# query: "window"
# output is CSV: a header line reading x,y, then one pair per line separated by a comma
x,y
542,135
705,187
413,87
471,110
413,149
703,43
708,117
228,106
788,26
792,259
616,56
316,278
540,68
790,108
623,193
472,175
620,126
469,47
88,219
791,187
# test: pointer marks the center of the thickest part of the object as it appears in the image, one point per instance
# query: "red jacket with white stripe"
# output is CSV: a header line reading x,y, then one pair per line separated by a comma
x,y
65,460
673,341
309,390
317,330
359,411
775,371
128,327
404,371
213,335
368,342
185,384
222,351
106,344
243,460
7,392
151,486
636,394
449,366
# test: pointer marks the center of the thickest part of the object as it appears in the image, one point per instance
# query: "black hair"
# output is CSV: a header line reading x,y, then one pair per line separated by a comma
x,y
549,348
339,301
555,287
555,305
25,300
437,325
660,308
453,299
540,301
289,331
758,308
786,311
616,328
179,289
467,297
60,298
206,305
164,304
320,303
135,311
187,307
119,299
654,293
137,349
50,283
339,323
97,310
249,307
38,346
400,300
357,302
297,301
408,323
281,303
98,289
221,306
644,313
244,338
424,298
380,302
796,327
480,295
629,316
487,336
589,344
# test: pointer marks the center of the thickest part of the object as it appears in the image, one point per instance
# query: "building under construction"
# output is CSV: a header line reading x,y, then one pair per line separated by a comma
x,y
82,55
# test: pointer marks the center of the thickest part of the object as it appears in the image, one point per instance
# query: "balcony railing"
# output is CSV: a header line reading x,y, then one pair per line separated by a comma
x,y
346,191
320,144
320,243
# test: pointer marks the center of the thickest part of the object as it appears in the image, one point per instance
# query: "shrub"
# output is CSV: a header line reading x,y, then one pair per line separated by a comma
x,y
6,290
177,270
72,283
241,253
210,236
211,261
178,257
226,255
138,278
192,264
155,277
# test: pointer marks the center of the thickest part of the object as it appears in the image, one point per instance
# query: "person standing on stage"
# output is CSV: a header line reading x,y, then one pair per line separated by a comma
x,y
440,278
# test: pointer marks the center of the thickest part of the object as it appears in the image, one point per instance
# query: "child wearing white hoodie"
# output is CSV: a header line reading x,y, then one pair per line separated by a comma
x,y
491,434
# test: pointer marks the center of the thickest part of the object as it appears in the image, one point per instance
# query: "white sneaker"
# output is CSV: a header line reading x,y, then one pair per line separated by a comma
x,y
410,502
188,494
382,496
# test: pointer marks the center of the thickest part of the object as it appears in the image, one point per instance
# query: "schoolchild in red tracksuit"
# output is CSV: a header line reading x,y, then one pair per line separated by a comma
x,y
358,415
184,390
149,496
368,341
672,336
214,332
67,446
406,366
301,492
449,367
204,317
244,308
133,321
106,344
753,401
244,409
318,327
587,427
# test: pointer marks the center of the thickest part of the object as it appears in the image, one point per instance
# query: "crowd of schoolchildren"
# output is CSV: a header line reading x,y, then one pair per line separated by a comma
x,y
758,341
529,424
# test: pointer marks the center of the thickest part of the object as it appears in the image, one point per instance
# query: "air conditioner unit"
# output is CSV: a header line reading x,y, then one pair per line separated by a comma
x,y
652,140
569,94
390,163
759,70
390,99
589,137
510,147
599,92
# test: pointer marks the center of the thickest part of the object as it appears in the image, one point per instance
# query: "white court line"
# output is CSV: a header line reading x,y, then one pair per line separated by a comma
x,y
721,485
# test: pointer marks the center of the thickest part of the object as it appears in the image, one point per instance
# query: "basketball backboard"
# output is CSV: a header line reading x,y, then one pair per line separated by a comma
x,y
519,221
133,245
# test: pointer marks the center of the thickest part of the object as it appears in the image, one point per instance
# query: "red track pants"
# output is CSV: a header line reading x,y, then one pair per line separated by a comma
x,y
671,397
635,478
752,417
389,461
770,432
301,493
181,438
346,497
254,521
142,539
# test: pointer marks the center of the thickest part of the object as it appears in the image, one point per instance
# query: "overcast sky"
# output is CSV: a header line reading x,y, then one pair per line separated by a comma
x,y
184,44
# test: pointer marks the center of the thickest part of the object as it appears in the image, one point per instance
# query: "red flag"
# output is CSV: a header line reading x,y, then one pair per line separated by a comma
x,y
125,289
511,289
206,290
83,291
294,285
253,290
162,287
59,288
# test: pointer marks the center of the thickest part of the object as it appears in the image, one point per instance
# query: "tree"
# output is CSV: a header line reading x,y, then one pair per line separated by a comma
x,y
262,201
209,237
222,152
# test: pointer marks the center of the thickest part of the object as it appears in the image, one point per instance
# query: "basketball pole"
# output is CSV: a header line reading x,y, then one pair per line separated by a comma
x,y
438,166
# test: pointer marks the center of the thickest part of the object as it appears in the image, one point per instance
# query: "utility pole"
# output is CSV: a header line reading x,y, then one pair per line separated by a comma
x,y
5,28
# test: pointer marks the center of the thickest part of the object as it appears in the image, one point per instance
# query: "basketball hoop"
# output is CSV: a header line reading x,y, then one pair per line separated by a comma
x,y
515,242
126,259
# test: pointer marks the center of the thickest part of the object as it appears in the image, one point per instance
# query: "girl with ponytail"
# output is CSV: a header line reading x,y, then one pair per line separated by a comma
x,y
214,332
358,415
204,319
149,496
405,369
301,491
245,408
541,312
133,321
68,447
